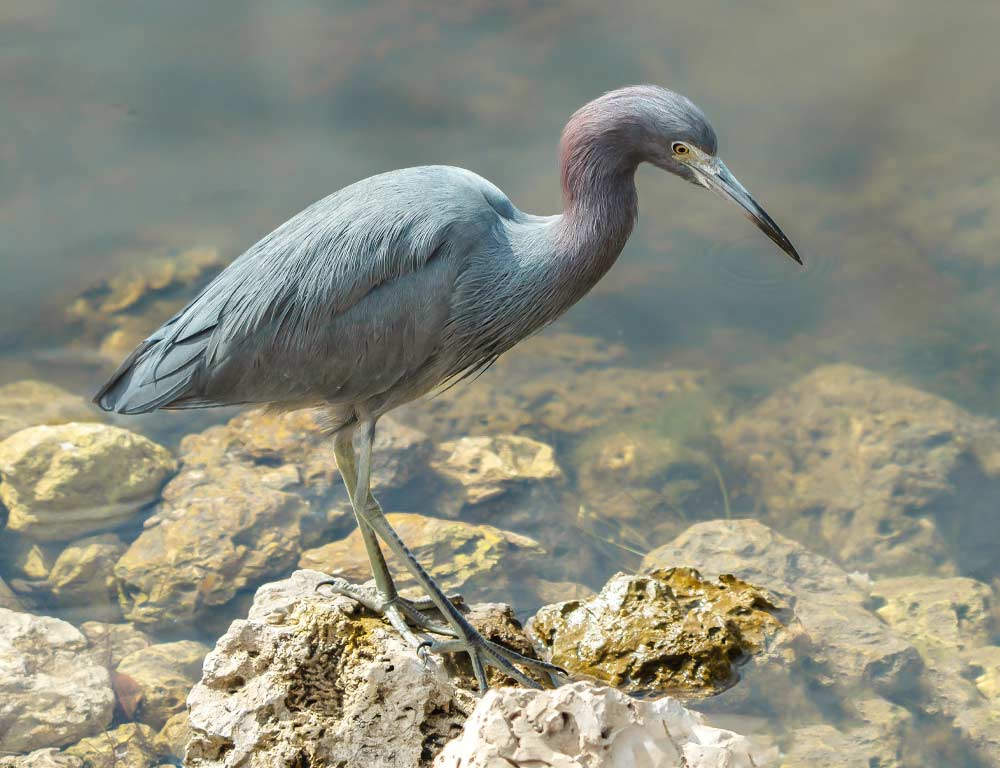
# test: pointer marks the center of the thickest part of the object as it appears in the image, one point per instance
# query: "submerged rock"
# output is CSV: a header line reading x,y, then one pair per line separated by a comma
x,y
309,680
133,745
669,630
82,577
845,643
950,621
477,558
8,599
114,313
174,735
29,403
534,389
881,476
162,675
51,693
300,442
62,482
217,531
484,467
588,725
110,643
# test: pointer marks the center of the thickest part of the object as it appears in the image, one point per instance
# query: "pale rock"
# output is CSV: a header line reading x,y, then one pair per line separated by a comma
x,y
62,482
28,403
82,577
164,674
461,556
486,466
864,469
218,530
845,643
307,679
174,734
131,745
110,643
584,724
51,693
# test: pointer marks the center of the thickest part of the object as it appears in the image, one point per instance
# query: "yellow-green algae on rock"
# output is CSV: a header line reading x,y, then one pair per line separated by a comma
x,y
668,630
63,482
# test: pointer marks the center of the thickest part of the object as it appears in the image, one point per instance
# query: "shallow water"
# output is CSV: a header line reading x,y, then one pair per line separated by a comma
x,y
867,131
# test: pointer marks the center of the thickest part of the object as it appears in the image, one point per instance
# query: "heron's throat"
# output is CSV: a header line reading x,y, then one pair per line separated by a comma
x,y
600,204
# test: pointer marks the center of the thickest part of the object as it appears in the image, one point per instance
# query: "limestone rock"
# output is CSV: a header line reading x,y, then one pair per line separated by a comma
x,y
669,630
133,745
110,643
62,482
461,556
8,599
865,469
585,724
51,694
949,620
29,403
300,440
218,530
82,577
307,680
174,735
163,674
485,466
950,613
845,643
48,757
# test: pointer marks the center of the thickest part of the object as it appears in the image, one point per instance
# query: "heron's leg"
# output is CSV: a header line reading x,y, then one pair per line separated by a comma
x,y
395,608
482,652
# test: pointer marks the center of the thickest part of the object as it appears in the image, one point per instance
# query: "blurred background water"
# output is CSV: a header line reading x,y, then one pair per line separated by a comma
x,y
867,130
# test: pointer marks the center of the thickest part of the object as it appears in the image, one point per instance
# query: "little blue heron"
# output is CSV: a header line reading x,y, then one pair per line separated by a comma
x,y
402,282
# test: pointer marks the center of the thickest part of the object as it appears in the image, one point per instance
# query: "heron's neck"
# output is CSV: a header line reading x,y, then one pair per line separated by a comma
x,y
599,199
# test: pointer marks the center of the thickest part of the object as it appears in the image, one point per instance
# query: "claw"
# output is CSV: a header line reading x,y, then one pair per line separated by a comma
x,y
399,610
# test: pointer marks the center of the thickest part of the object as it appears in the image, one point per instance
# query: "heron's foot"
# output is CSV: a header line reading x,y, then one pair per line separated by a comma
x,y
485,653
400,612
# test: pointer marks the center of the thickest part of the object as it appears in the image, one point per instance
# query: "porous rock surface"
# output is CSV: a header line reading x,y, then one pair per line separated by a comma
x,y
51,693
306,679
873,472
668,630
62,482
584,724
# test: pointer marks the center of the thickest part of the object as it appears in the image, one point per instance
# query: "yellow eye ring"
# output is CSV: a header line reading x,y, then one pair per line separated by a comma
x,y
680,149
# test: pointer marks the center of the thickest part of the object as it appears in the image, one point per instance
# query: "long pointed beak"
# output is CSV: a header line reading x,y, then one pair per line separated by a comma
x,y
720,180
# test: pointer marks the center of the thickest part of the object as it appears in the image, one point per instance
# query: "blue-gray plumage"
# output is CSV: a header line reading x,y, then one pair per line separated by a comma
x,y
401,282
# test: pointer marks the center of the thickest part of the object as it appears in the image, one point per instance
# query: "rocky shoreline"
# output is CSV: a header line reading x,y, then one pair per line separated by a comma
x,y
806,581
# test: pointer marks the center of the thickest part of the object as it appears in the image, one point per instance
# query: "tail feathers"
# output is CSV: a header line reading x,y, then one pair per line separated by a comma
x,y
154,376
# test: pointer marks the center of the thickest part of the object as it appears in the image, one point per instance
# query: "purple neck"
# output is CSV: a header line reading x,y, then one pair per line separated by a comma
x,y
599,197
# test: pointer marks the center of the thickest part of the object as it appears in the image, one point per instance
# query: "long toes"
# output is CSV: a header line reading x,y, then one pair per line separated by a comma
x,y
337,587
484,652
418,619
526,661
426,604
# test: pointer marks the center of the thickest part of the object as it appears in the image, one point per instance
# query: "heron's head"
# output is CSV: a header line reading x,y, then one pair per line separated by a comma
x,y
668,130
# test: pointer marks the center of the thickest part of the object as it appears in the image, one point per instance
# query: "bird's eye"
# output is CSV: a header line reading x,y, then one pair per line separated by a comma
x,y
680,149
